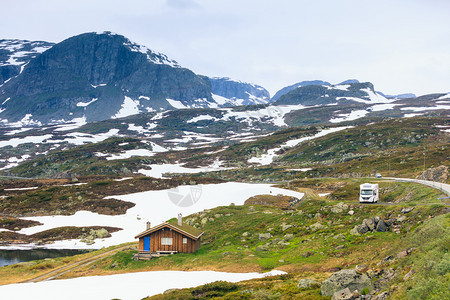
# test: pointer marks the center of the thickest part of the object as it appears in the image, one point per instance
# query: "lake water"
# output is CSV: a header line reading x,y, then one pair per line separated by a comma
x,y
9,257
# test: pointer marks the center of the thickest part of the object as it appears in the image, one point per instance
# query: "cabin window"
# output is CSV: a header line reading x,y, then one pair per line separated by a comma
x,y
166,241
184,240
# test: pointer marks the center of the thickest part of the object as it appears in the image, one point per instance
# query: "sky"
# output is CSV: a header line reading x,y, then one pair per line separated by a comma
x,y
401,46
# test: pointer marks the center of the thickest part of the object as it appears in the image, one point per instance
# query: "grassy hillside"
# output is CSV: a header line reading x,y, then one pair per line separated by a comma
x,y
392,147
312,239
371,139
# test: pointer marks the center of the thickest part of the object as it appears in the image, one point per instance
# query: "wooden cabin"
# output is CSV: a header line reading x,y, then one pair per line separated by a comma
x,y
170,237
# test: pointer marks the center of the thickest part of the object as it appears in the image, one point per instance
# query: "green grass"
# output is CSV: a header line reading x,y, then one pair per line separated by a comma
x,y
430,261
232,233
232,236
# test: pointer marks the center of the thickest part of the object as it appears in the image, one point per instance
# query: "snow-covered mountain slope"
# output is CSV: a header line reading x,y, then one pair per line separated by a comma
x,y
15,54
179,130
327,94
96,77
228,92
289,88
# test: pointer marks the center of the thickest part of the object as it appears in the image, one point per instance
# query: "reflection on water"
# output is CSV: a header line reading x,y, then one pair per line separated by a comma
x,y
9,257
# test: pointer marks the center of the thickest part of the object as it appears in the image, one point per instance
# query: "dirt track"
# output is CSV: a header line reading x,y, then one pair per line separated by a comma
x,y
73,266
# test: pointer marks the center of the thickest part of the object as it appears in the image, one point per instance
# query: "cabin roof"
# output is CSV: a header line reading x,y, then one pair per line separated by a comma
x,y
184,229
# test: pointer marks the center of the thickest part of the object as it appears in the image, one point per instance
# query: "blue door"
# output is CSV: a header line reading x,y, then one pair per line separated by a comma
x,y
146,243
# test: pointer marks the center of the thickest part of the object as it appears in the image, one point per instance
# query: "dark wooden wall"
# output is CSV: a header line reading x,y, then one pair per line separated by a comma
x,y
177,242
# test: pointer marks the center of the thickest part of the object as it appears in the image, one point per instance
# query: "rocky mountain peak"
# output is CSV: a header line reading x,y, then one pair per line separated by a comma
x,y
98,76
229,92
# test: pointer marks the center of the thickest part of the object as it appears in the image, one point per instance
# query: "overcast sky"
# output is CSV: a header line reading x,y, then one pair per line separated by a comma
x,y
400,46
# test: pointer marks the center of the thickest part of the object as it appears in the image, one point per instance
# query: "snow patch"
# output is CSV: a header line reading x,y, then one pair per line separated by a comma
x,y
84,104
152,56
383,107
128,286
96,86
200,118
176,104
7,99
14,142
13,132
266,159
131,153
413,115
354,115
417,109
158,171
342,87
73,124
129,107
447,96
78,138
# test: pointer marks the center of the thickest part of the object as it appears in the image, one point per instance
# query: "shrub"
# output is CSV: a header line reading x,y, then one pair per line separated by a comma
x,y
214,289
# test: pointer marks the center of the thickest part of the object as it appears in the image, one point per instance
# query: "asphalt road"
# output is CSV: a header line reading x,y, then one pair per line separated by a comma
x,y
437,185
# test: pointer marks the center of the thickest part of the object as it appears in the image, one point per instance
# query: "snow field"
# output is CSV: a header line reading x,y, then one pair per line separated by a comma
x,y
153,206
121,286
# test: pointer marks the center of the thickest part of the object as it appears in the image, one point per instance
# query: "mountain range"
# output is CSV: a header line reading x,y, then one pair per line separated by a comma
x,y
100,76
97,76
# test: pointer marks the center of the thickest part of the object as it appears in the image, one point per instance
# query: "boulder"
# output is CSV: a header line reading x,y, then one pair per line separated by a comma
x,y
288,237
307,283
345,279
408,275
381,226
382,296
401,219
338,208
307,254
264,236
389,222
361,269
406,210
344,294
316,226
370,223
362,228
354,231
281,243
285,226
262,248
246,234
402,254
351,212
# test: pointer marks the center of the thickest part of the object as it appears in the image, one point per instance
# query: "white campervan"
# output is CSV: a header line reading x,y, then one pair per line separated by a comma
x,y
368,193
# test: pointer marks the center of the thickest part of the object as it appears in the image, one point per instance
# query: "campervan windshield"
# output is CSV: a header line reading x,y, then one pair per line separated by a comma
x,y
366,192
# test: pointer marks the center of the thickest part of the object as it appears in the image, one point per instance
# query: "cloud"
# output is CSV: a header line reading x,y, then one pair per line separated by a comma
x,y
183,4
